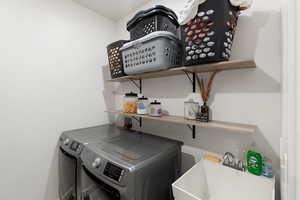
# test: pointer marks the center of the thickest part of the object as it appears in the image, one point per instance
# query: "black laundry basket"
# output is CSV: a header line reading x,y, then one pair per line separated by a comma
x,y
208,37
115,58
157,18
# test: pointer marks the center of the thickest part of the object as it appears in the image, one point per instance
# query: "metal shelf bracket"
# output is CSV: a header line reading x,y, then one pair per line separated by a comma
x,y
192,77
139,120
193,129
138,85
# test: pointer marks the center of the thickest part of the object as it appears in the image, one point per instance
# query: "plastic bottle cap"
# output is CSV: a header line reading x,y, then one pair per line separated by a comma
x,y
143,98
131,94
155,102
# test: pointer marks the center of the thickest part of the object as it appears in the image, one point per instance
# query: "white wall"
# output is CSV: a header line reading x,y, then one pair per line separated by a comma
x,y
249,96
51,80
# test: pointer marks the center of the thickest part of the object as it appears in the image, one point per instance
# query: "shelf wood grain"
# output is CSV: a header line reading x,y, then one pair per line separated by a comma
x,y
218,66
230,126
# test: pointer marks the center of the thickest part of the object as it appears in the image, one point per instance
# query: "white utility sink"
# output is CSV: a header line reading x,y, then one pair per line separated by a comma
x,y
213,181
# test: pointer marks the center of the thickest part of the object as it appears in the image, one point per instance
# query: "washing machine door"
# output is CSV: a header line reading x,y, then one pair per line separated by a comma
x,y
67,176
98,190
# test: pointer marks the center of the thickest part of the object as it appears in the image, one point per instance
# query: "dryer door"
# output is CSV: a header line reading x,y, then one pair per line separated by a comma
x,y
96,194
98,190
67,176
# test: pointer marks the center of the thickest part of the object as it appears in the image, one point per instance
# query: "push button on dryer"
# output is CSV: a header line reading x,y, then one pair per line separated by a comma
x,y
96,163
67,141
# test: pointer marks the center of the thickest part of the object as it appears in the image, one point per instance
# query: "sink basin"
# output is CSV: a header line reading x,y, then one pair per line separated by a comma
x,y
213,181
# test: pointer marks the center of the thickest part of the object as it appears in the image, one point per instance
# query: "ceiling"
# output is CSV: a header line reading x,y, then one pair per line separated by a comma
x,y
113,9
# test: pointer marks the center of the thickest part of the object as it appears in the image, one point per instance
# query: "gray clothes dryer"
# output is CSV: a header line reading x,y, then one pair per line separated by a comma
x,y
131,166
71,144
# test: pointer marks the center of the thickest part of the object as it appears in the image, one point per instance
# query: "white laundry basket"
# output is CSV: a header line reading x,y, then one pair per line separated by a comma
x,y
157,51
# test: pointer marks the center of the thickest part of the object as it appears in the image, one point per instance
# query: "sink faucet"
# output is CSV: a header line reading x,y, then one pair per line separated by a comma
x,y
230,161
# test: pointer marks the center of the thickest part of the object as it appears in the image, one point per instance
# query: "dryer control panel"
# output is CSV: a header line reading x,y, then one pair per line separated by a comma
x,y
74,146
114,172
70,146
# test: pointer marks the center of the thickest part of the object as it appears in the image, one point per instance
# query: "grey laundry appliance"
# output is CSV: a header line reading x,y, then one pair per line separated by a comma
x,y
71,144
131,166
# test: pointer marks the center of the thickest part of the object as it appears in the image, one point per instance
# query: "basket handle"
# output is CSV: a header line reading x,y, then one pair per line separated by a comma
x,y
137,44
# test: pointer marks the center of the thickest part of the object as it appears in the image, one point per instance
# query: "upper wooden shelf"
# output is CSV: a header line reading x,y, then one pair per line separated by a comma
x,y
219,66
230,126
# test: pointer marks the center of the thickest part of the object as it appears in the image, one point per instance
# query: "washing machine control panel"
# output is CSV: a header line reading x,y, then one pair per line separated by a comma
x,y
114,172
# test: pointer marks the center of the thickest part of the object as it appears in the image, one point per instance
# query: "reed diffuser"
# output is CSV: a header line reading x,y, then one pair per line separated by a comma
x,y
205,90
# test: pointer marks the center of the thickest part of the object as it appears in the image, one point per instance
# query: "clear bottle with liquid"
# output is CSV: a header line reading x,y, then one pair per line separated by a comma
x,y
267,168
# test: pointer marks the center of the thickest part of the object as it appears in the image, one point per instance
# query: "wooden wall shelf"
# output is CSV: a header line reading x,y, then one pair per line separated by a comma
x,y
219,66
229,126
191,70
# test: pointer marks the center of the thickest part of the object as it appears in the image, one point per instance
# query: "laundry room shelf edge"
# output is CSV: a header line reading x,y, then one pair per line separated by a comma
x,y
230,126
212,67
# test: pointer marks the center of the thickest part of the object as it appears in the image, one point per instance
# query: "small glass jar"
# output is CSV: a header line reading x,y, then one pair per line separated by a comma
x,y
130,103
155,109
190,109
142,106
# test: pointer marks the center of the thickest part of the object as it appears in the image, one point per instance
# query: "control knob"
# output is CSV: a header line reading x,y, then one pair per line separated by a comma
x,y
67,141
96,163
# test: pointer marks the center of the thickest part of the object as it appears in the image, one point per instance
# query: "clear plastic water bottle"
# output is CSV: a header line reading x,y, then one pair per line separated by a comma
x,y
267,169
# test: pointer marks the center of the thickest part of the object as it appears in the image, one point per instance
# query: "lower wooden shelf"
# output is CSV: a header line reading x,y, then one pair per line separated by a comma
x,y
230,126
